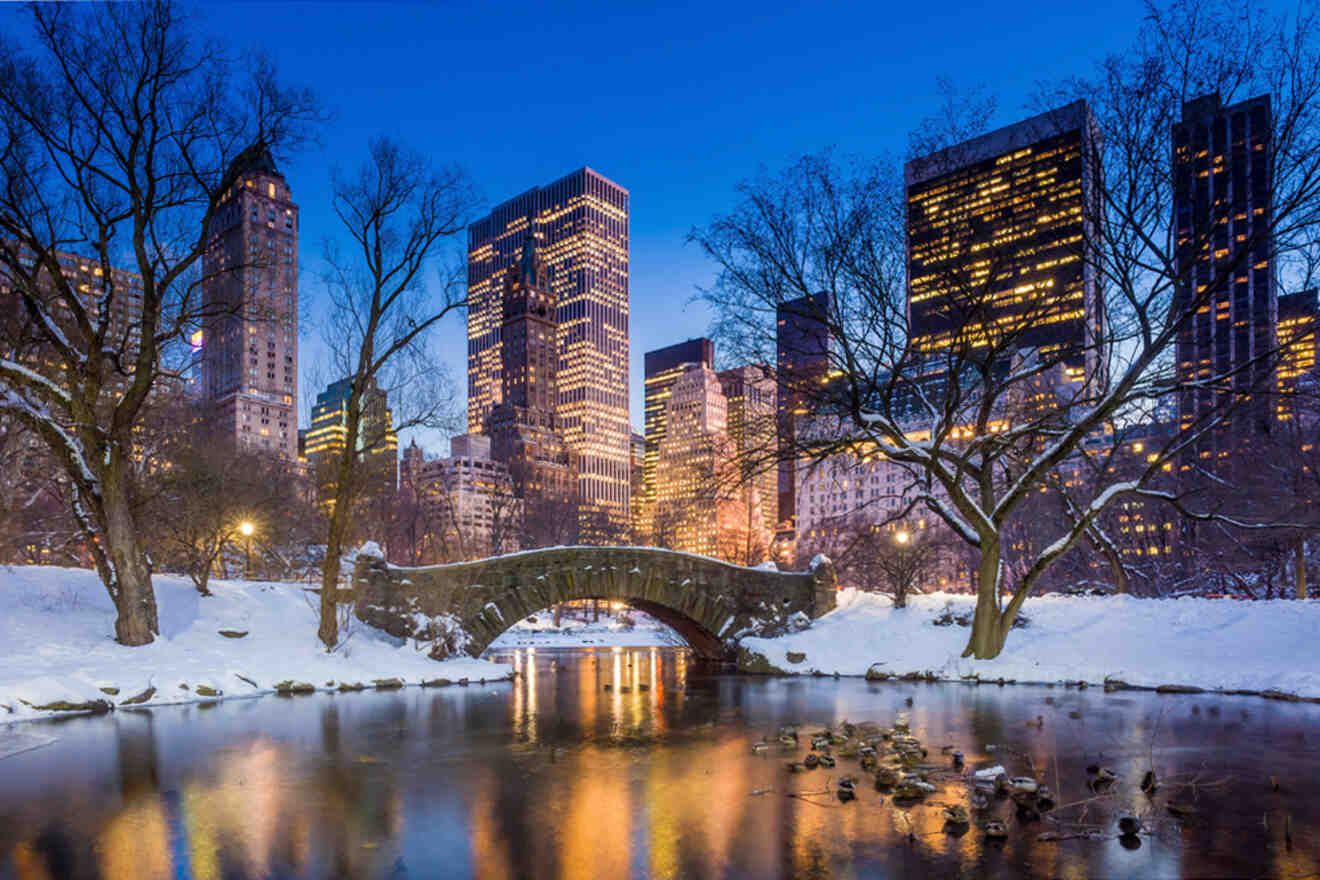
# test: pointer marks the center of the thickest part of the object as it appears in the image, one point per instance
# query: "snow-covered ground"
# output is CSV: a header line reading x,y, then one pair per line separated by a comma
x,y
57,644
539,631
1216,644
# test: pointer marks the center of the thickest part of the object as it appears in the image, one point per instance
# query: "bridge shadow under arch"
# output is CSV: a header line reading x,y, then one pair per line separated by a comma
x,y
708,602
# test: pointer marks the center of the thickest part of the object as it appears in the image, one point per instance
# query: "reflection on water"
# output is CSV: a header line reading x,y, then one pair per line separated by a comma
x,y
624,763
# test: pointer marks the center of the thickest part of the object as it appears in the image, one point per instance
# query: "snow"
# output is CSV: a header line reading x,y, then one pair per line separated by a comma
x,y
57,628
371,550
1216,644
647,632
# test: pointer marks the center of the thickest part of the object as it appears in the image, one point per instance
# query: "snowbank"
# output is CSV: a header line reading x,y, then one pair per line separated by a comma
x,y
647,632
57,645
1215,644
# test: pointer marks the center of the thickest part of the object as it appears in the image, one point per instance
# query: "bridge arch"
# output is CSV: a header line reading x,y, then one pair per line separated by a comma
x,y
465,606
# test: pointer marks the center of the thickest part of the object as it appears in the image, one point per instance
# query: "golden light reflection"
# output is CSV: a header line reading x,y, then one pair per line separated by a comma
x,y
136,841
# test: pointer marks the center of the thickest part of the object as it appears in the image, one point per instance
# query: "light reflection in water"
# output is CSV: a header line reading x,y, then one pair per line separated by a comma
x,y
553,776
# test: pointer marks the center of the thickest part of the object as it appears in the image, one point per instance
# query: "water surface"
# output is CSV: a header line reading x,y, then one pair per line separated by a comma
x,y
556,776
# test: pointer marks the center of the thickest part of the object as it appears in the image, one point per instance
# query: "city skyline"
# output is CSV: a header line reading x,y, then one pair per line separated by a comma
x,y
675,180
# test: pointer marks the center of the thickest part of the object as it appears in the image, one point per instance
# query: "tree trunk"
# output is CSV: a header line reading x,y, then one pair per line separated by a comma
x,y
559,607
1119,571
988,630
203,579
1299,563
135,600
328,631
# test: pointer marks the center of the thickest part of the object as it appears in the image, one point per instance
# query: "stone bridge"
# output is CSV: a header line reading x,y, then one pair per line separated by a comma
x,y
463,607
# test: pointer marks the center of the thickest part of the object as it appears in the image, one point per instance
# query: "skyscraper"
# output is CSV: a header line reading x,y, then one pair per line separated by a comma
x,y
1299,351
1223,200
661,368
1000,231
802,342
752,419
523,426
328,438
583,219
250,295
697,499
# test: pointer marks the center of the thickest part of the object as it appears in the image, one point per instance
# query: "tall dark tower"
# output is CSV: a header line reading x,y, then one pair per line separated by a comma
x,y
802,342
529,368
250,294
1223,199
523,425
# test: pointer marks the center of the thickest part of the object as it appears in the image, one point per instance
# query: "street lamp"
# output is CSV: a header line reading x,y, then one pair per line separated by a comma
x,y
901,537
246,528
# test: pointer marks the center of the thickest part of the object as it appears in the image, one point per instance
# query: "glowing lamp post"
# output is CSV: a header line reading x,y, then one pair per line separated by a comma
x,y
246,528
901,537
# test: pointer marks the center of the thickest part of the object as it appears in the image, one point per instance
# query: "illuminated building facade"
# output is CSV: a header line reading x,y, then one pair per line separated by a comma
x,y
1222,205
661,368
87,277
327,439
1299,349
696,506
465,503
802,353
636,459
749,394
583,221
1000,233
250,294
523,426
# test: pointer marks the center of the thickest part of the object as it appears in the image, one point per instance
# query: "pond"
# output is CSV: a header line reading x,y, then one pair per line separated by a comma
x,y
555,775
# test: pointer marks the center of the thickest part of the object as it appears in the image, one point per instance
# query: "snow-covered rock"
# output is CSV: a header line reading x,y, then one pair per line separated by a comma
x,y
371,550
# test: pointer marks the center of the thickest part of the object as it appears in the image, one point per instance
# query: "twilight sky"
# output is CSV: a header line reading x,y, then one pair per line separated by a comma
x,y
676,102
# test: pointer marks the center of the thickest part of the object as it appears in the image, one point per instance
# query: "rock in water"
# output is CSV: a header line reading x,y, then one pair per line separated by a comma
x,y
956,814
1023,784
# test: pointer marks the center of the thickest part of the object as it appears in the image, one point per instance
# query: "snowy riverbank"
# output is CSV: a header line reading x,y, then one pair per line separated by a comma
x,y
57,645
539,631
1215,644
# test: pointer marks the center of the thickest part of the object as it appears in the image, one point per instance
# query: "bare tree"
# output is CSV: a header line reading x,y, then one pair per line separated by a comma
x,y
396,211
889,556
199,501
116,129
990,417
